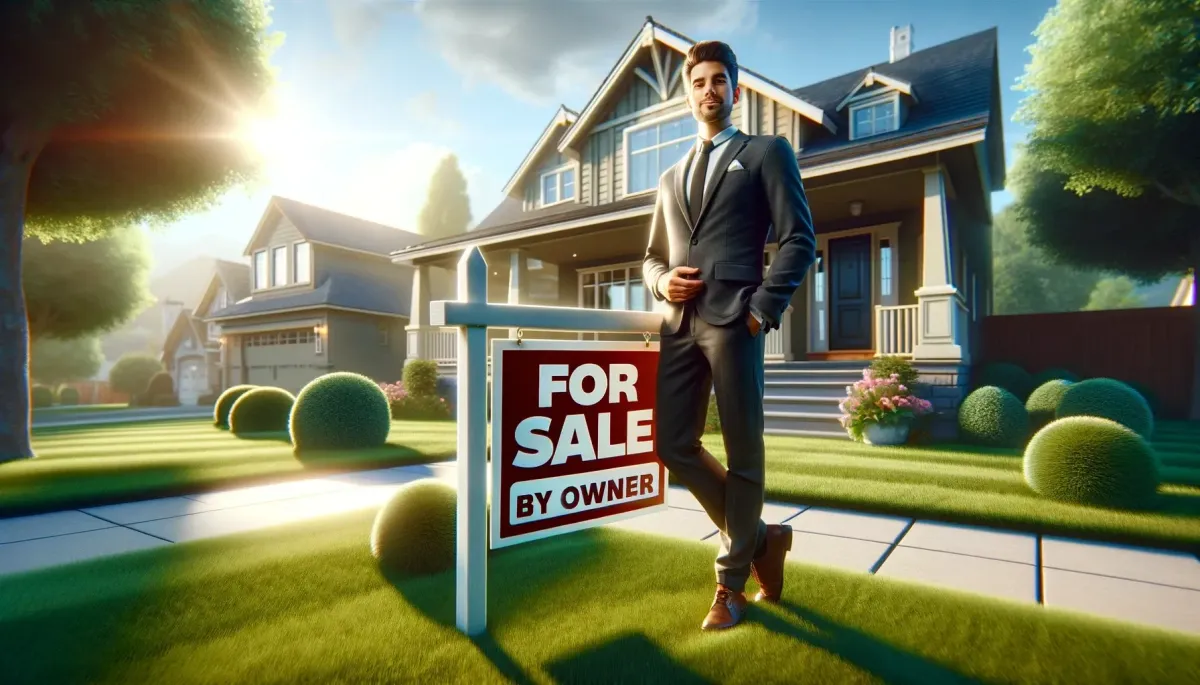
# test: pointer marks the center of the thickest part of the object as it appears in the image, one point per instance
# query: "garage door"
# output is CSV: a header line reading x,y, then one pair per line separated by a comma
x,y
283,360
193,381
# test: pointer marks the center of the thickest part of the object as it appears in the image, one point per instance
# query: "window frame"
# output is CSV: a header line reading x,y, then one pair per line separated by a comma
x,y
620,266
296,275
558,172
627,154
275,250
892,97
266,257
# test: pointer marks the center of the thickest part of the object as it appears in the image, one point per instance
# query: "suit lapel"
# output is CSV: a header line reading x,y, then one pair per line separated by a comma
x,y
681,170
732,148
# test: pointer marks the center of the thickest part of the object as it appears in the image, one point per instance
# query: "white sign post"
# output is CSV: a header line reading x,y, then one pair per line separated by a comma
x,y
473,315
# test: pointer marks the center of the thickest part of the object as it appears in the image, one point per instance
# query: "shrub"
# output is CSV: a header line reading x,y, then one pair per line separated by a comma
x,y
225,404
884,367
993,417
159,384
1042,404
414,532
68,396
884,401
261,410
1147,394
712,419
1108,399
1053,374
447,389
132,373
41,396
340,410
1094,461
168,399
420,408
1010,377
420,377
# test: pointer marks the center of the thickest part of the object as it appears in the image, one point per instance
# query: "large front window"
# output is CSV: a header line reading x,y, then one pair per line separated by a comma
x,y
651,149
617,288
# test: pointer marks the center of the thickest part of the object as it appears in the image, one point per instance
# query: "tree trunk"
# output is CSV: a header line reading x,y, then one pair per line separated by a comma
x,y
19,149
1194,410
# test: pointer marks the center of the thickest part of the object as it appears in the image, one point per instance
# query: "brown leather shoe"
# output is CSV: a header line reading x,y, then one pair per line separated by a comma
x,y
728,609
768,569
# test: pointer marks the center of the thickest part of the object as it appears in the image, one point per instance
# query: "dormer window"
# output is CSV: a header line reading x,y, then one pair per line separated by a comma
x,y
558,185
875,116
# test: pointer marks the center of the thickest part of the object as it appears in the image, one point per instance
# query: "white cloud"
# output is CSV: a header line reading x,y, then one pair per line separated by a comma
x,y
431,115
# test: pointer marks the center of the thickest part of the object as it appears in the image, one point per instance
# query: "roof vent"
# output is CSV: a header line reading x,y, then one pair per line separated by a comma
x,y
901,42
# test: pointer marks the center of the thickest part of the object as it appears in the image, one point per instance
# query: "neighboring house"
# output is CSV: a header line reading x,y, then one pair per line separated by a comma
x,y
1185,294
899,161
323,296
192,349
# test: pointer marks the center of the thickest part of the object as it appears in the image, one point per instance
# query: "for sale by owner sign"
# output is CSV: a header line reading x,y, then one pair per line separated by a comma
x,y
572,437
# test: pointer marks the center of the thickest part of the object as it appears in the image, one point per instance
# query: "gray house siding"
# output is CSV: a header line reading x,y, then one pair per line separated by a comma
x,y
374,346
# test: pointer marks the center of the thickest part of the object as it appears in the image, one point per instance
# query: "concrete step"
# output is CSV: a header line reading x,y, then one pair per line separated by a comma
x,y
805,388
826,422
804,404
839,434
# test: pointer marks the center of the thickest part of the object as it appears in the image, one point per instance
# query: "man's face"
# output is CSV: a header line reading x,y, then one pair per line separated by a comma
x,y
711,96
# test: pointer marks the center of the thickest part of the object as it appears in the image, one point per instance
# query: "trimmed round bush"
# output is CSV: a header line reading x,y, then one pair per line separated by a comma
x,y
1053,374
68,396
225,404
414,531
1010,377
1143,390
41,396
993,417
160,383
261,410
1108,399
340,410
420,377
1042,404
1092,460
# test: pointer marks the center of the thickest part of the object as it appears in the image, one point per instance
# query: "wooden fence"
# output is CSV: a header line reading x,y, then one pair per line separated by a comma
x,y
1154,347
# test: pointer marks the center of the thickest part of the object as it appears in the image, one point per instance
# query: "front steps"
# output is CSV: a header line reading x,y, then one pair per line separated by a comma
x,y
801,398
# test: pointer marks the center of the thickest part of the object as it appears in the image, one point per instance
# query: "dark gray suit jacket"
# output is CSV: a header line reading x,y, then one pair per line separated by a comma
x,y
739,209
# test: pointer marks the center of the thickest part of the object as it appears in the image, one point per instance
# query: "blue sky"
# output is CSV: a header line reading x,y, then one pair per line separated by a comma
x,y
374,92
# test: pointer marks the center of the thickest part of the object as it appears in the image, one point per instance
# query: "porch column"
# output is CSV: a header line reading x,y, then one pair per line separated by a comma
x,y
418,316
942,320
518,281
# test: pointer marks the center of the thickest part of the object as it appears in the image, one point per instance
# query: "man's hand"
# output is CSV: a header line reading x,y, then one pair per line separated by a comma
x,y
678,286
753,324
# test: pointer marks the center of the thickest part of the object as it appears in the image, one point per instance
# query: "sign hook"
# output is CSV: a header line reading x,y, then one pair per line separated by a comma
x,y
520,334
646,335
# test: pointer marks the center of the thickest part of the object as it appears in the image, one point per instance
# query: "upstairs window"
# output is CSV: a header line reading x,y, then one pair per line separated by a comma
x,y
260,269
279,266
301,262
874,117
558,186
650,149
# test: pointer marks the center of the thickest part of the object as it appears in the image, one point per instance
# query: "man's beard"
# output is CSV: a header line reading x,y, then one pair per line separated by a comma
x,y
721,113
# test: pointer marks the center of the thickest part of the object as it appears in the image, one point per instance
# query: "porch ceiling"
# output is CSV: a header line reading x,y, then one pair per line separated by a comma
x,y
897,192
578,247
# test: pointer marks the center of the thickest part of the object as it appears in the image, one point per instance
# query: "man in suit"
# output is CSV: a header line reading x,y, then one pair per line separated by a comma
x,y
705,260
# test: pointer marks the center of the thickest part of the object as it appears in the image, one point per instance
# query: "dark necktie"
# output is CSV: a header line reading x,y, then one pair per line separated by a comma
x,y
696,195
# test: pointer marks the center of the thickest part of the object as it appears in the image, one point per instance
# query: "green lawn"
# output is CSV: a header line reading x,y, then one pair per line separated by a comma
x,y
90,465
307,604
58,410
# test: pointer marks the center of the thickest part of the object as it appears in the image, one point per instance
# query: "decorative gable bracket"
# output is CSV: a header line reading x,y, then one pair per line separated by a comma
x,y
664,78
869,80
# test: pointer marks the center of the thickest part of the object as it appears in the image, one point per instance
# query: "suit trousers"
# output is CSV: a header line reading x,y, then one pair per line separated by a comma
x,y
697,361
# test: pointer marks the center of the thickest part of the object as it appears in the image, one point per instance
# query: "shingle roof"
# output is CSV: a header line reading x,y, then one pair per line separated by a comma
x,y
236,277
340,230
346,290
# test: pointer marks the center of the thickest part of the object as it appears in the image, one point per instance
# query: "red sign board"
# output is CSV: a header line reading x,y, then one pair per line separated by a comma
x,y
573,442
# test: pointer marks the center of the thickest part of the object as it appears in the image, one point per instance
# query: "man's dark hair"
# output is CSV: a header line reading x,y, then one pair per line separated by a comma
x,y
712,51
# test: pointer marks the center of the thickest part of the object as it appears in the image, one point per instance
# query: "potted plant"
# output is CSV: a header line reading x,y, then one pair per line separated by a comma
x,y
879,410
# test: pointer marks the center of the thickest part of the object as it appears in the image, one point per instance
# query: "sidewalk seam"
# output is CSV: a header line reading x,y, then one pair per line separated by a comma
x,y
120,525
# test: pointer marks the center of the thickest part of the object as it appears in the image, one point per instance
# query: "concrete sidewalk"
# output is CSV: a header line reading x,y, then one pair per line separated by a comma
x,y
1135,584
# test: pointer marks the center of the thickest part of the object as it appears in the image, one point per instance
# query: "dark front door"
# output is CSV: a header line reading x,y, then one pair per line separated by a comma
x,y
850,293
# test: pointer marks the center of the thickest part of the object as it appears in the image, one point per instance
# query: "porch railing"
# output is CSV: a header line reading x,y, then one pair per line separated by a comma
x,y
896,330
435,342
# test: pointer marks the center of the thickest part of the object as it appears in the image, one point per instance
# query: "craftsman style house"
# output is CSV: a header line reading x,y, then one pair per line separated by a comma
x,y
320,295
899,160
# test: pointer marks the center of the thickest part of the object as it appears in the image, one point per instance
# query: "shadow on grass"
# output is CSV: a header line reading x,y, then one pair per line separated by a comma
x,y
386,455
891,664
631,658
279,436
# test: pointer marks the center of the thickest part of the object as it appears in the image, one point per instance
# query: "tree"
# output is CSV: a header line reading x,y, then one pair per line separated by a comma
x,y
447,210
114,113
132,373
74,289
53,361
1114,134
1114,293
1026,280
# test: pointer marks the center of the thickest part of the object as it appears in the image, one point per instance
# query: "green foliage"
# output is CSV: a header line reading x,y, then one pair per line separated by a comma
x,y
74,289
132,373
447,210
414,532
712,419
1147,394
1114,293
1094,461
884,367
993,417
261,410
420,378
160,383
68,396
225,401
40,396
340,410
1110,399
1011,377
1043,402
54,361
427,408
1052,374
1026,278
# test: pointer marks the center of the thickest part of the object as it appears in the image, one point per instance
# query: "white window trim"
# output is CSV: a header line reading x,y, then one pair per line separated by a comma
x,y
892,96
625,153
580,273
570,166
287,267
292,256
254,268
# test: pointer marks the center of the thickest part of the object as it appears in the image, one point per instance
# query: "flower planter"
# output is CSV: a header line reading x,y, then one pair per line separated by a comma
x,y
886,434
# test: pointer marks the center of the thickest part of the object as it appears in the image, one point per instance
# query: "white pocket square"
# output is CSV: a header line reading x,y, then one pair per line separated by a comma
x,y
735,166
